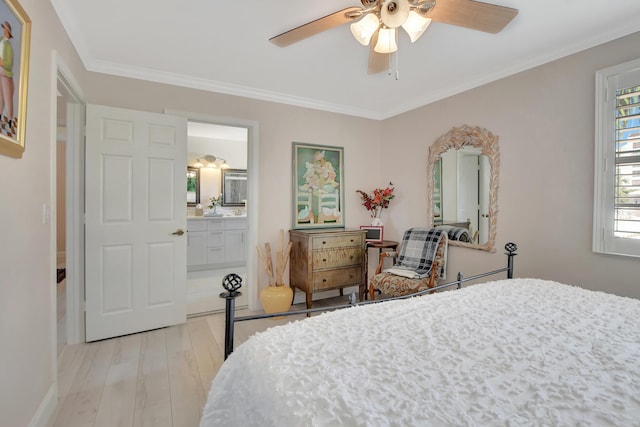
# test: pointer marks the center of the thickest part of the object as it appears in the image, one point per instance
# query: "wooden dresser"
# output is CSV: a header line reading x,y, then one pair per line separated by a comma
x,y
324,259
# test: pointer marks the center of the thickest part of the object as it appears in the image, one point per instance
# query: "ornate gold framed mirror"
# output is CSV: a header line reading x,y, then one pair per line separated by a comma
x,y
462,189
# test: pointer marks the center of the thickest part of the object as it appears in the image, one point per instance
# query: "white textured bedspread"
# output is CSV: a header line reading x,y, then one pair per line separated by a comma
x,y
521,352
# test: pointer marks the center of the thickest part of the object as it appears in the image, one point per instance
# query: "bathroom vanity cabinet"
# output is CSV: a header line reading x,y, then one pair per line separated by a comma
x,y
216,242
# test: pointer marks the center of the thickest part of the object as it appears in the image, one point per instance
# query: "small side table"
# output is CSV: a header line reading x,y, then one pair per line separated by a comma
x,y
381,246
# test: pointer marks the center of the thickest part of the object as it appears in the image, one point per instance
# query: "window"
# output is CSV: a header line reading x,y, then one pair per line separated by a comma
x,y
616,225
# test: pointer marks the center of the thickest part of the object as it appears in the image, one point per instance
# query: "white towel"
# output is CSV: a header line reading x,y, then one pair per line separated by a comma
x,y
404,272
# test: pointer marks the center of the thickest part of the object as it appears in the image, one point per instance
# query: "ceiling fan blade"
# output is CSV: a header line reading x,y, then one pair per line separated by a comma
x,y
378,62
314,27
475,15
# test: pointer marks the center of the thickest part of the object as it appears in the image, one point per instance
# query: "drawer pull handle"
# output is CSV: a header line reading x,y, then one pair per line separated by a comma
x,y
324,280
324,243
324,260
351,257
352,240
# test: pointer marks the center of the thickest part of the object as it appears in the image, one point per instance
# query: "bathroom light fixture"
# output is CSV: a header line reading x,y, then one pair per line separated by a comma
x,y
211,161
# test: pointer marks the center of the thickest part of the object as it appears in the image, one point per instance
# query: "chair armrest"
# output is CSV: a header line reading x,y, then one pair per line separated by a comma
x,y
390,254
435,270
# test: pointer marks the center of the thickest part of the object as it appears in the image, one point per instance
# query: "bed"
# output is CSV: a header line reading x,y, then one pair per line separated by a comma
x,y
507,352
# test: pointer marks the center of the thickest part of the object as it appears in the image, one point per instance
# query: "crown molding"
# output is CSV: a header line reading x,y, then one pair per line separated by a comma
x,y
225,88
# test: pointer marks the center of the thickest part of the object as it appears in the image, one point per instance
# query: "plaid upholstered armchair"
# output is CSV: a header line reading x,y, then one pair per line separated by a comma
x,y
417,265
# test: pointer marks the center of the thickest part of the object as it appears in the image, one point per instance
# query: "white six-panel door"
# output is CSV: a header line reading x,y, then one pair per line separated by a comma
x,y
135,208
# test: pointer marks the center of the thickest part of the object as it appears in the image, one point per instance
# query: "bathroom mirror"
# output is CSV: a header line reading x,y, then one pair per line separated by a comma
x,y
193,186
234,187
462,189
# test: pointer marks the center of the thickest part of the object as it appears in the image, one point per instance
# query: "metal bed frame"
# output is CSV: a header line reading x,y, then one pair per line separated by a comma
x,y
232,286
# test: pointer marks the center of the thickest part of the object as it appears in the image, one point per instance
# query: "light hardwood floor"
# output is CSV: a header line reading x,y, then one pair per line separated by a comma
x,y
157,378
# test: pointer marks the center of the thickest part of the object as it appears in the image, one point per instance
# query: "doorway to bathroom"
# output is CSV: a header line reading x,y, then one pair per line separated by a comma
x,y
217,212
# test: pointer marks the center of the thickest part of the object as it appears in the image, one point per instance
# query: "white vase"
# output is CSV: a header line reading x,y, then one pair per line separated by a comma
x,y
375,219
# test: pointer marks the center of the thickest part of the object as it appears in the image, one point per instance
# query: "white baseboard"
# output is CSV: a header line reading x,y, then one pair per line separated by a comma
x,y
44,415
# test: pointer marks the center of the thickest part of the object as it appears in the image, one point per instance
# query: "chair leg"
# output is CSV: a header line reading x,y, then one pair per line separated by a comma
x,y
372,292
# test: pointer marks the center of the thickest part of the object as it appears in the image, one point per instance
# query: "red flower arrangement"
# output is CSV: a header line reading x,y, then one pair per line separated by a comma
x,y
378,200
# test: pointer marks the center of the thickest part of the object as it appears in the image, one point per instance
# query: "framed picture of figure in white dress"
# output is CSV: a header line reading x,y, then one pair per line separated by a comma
x,y
15,37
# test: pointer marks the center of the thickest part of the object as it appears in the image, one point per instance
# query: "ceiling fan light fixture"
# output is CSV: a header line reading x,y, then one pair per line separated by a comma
x,y
393,13
386,41
413,15
423,7
364,28
415,25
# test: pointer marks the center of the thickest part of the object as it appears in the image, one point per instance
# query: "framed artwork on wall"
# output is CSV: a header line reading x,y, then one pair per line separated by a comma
x,y
318,186
375,233
15,36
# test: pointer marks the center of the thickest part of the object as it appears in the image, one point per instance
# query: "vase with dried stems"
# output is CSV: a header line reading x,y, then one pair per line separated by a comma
x,y
277,297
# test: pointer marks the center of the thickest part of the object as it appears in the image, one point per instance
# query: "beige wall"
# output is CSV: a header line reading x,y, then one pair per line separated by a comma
x,y
27,251
544,118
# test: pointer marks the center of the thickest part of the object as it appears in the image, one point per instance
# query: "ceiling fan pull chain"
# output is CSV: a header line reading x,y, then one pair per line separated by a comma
x,y
397,66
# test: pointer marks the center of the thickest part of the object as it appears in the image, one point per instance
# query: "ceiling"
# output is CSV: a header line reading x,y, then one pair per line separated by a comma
x,y
223,46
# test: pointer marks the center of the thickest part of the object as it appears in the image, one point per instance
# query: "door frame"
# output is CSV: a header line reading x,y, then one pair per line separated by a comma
x,y
253,183
74,207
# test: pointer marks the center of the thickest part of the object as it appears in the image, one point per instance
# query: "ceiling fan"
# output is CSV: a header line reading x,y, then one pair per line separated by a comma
x,y
376,23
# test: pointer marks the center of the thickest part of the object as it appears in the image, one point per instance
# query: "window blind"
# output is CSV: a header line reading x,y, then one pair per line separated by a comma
x,y
627,168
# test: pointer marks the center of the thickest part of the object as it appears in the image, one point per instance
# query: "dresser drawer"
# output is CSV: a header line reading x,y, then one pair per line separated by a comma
x,y
340,241
339,257
337,278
